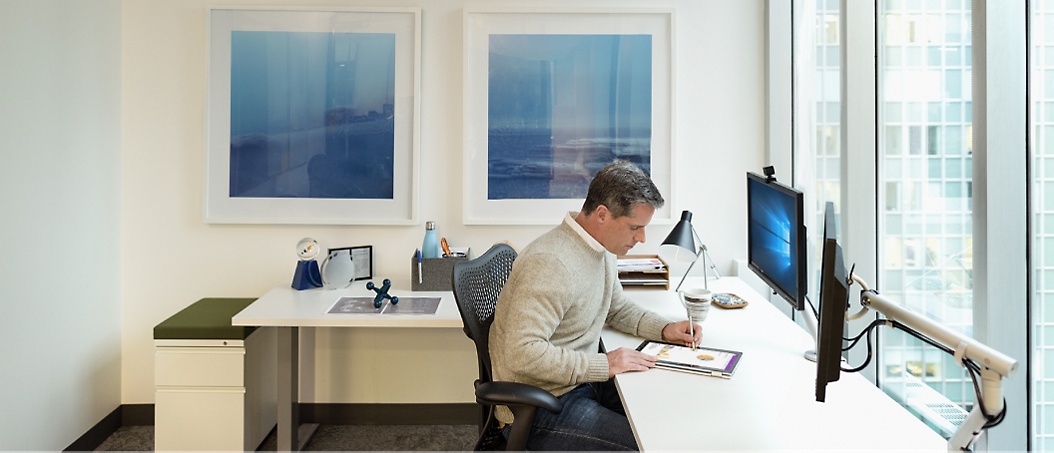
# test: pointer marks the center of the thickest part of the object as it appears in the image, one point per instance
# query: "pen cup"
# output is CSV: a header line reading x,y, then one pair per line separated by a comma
x,y
696,302
432,274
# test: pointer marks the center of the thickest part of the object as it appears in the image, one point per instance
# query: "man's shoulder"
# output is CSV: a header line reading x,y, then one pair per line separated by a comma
x,y
562,246
553,241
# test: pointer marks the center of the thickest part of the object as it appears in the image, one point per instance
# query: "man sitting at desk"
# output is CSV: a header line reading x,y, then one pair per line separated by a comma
x,y
563,289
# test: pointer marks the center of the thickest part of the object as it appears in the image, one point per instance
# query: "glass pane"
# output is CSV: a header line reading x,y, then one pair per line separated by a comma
x,y
818,64
1041,94
926,262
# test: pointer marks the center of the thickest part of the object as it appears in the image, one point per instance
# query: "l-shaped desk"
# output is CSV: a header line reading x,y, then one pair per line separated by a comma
x,y
767,405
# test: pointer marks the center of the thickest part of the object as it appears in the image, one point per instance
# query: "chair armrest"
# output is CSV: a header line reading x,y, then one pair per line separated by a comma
x,y
517,394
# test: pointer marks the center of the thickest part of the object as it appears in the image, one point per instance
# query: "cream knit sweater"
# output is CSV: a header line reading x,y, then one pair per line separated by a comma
x,y
562,290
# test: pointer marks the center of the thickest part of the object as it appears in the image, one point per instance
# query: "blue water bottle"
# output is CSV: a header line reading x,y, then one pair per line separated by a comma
x,y
430,247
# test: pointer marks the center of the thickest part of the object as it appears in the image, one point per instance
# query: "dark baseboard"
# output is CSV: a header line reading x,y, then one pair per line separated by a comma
x,y
137,415
98,433
322,413
390,414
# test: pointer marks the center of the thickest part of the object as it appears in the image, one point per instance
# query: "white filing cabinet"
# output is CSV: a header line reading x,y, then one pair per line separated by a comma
x,y
214,394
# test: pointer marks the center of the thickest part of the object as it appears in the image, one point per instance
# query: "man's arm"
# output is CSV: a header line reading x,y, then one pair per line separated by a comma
x,y
626,316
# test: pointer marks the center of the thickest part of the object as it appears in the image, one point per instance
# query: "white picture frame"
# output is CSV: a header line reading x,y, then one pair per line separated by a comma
x,y
293,48
484,203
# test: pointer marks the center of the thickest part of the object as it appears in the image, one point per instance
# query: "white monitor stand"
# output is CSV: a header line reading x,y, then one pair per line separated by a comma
x,y
811,323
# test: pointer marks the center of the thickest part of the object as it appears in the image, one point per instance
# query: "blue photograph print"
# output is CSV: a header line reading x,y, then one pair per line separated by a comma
x,y
312,115
560,107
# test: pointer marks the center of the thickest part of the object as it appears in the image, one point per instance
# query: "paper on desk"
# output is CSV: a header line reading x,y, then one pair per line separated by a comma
x,y
413,306
353,305
640,264
406,306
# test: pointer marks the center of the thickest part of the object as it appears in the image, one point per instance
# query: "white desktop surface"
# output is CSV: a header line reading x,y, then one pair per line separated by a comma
x,y
287,307
769,404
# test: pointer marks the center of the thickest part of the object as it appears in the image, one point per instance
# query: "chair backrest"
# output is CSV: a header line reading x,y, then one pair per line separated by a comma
x,y
477,283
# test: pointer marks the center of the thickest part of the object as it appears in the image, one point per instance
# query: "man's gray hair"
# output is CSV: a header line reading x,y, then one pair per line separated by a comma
x,y
620,186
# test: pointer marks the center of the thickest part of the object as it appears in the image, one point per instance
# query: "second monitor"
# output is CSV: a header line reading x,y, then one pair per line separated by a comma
x,y
776,238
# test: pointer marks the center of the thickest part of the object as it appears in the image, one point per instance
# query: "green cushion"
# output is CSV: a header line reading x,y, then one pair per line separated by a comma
x,y
206,319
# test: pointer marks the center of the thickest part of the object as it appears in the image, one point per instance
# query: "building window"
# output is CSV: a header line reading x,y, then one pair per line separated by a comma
x,y
925,215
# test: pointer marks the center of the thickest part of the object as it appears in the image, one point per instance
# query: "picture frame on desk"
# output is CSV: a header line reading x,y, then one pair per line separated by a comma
x,y
553,95
313,116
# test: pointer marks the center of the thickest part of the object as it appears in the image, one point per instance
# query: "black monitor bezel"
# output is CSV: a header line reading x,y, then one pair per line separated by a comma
x,y
797,301
834,299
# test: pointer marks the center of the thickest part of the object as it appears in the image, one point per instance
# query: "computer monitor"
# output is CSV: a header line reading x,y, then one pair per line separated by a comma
x,y
834,299
776,237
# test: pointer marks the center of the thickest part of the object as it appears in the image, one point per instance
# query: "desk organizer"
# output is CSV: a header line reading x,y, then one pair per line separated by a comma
x,y
658,278
215,384
437,274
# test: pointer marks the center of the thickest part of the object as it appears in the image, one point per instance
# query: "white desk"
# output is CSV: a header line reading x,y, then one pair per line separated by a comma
x,y
288,309
769,404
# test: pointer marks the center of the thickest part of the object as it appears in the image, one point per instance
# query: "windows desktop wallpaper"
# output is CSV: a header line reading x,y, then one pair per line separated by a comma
x,y
772,223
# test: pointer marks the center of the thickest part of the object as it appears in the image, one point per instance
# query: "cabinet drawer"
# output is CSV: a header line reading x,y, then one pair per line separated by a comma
x,y
200,419
205,366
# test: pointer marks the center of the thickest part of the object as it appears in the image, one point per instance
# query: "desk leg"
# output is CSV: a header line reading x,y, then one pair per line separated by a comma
x,y
291,436
288,385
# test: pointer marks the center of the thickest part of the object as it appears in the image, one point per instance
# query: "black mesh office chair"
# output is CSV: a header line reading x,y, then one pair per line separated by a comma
x,y
477,284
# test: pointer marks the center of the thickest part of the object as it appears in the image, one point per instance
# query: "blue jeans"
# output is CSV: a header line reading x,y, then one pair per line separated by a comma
x,y
592,419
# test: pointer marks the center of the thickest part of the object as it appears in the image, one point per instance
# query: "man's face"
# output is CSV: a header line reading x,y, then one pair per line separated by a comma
x,y
619,234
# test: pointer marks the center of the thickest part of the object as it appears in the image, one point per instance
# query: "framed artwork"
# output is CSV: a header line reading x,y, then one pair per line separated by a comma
x,y
313,116
551,96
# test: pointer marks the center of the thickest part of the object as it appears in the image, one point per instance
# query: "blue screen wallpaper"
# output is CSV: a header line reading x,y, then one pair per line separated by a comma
x,y
771,228
560,107
312,115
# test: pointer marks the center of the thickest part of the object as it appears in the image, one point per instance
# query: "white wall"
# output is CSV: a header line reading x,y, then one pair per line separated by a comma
x,y
172,257
60,339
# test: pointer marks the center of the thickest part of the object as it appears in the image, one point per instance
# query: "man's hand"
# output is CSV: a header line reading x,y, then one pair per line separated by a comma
x,y
680,333
622,360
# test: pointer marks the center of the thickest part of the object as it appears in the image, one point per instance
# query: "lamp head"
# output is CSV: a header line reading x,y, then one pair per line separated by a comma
x,y
681,239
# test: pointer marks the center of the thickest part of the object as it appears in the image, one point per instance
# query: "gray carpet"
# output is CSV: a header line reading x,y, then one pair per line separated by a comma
x,y
335,438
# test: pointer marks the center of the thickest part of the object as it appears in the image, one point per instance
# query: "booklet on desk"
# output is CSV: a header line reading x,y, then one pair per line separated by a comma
x,y
701,360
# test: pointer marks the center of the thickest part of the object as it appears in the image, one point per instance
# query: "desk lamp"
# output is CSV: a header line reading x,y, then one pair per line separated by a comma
x,y
687,246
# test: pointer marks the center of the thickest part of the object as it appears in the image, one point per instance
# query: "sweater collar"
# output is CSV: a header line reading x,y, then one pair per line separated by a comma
x,y
569,220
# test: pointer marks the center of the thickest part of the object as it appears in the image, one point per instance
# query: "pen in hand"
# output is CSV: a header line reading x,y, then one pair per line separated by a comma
x,y
420,275
691,330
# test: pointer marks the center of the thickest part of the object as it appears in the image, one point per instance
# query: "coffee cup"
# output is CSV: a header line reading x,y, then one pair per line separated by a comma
x,y
696,302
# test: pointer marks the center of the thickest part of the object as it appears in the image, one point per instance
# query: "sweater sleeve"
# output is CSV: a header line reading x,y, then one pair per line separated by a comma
x,y
625,315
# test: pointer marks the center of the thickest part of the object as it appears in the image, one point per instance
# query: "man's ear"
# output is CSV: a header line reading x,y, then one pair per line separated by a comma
x,y
602,213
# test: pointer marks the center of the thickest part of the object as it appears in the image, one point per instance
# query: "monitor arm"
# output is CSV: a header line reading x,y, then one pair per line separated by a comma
x,y
993,365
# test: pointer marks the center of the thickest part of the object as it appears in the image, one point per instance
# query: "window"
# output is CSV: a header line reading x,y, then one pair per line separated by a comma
x,y
909,208
925,213
1041,93
817,94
